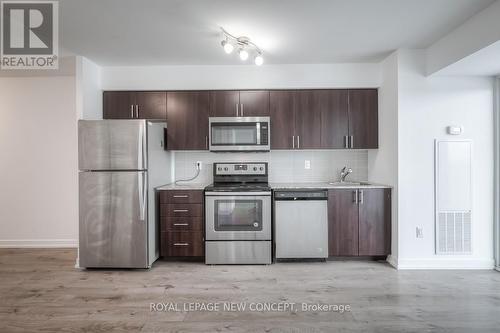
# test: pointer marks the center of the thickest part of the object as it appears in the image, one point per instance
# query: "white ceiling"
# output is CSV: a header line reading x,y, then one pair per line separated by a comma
x,y
185,32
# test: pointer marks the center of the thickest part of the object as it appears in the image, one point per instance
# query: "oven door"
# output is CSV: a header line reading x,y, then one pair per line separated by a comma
x,y
238,216
239,133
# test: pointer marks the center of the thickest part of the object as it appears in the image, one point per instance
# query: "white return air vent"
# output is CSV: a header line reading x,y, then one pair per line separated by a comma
x,y
453,186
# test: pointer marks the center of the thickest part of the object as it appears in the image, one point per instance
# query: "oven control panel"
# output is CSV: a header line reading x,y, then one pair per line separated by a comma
x,y
251,168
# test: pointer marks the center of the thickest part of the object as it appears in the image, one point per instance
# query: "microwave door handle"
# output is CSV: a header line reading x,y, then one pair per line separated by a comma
x,y
258,133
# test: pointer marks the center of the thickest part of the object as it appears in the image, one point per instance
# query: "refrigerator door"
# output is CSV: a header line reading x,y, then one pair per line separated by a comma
x,y
112,145
113,219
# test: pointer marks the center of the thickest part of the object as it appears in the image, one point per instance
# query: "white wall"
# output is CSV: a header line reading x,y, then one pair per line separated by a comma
x,y
241,77
425,107
38,169
383,162
88,91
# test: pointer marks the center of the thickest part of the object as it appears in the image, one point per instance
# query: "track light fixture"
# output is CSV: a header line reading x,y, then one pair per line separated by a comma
x,y
244,45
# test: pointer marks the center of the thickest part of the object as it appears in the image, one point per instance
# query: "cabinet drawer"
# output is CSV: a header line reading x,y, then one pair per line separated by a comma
x,y
176,196
182,244
182,223
181,210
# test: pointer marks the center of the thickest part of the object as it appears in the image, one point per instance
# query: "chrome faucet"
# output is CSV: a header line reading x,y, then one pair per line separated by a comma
x,y
344,173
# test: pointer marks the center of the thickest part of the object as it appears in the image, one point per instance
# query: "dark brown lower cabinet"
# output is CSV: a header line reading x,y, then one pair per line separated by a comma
x,y
374,222
343,223
182,223
359,222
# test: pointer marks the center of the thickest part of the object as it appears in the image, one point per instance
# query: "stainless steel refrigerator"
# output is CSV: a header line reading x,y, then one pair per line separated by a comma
x,y
120,163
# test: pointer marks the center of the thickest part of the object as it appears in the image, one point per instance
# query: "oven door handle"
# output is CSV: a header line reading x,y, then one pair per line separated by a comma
x,y
232,194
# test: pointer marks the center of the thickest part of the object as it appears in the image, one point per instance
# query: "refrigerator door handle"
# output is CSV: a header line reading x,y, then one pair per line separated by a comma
x,y
142,195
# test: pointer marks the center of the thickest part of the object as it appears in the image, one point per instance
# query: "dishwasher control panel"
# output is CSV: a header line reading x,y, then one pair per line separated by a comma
x,y
301,195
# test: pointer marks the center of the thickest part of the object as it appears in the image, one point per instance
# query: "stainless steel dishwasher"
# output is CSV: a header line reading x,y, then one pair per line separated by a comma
x,y
301,224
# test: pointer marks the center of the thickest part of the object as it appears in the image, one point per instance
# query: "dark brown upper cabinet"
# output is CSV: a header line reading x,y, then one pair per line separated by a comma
x,y
282,108
363,118
134,105
359,222
333,106
187,120
295,119
232,103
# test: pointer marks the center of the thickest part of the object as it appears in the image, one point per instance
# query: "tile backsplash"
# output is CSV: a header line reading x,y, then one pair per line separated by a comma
x,y
284,166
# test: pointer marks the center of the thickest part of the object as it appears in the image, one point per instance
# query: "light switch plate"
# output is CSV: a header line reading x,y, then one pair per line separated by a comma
x,y
420,232
307,164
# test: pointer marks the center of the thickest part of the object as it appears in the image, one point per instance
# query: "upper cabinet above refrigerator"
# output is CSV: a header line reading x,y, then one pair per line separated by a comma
x,y
135,105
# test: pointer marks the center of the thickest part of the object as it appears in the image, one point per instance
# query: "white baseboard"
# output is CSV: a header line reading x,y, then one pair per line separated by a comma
x,y
444,263
393,261
38,243
497,268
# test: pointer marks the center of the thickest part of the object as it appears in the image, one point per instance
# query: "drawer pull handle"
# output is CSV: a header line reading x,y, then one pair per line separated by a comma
x,y
181,244
181,223
181,196
181,210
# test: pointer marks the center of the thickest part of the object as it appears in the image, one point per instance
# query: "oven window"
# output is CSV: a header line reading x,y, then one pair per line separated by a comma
x,y
238,215
234,134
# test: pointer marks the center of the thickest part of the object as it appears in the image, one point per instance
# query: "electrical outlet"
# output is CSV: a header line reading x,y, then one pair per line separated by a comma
x,y
420,232
198,165
307,164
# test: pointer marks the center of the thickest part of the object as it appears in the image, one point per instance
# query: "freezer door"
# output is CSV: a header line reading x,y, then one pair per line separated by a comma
x,y
113,219
112,145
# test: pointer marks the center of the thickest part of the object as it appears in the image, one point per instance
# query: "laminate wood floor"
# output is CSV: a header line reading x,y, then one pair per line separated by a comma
x,y
41,291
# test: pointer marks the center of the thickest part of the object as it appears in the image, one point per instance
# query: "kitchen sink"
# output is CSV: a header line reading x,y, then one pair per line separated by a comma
x,y
349,183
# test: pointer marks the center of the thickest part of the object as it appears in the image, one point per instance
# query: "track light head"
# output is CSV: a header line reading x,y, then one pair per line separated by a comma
x,y
259,60
243,54
228,47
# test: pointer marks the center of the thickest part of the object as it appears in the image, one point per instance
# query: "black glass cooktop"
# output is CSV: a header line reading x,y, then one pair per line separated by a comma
x,y
238,187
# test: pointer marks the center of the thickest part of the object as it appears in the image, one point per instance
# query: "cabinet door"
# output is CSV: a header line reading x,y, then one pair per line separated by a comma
x,y
282,107
224,103
363,118
307,120
151,104
254,103
334,117
187,120
374,222
342,223
117,105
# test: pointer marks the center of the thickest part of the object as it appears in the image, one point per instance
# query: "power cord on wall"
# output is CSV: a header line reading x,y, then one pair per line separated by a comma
x,y
198,169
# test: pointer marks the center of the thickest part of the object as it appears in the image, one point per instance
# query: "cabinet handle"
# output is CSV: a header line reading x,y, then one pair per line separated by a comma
x,y
355,196
361,197
298,141
346,141
181,210
137,111
241,111
181,196
206,142
293,142
236,109
352,141
181,244
131,111
181,223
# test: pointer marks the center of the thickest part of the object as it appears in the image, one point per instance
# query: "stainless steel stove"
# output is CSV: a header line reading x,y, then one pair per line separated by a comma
x,y
238,214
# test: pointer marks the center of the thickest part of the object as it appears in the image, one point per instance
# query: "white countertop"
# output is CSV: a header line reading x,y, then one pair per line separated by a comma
x,y
325,185
182,186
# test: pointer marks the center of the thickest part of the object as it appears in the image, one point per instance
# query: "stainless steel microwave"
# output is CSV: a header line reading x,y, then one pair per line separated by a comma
x,y
239,133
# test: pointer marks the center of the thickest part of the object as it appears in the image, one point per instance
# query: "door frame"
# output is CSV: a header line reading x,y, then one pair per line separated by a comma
x,y
496,219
